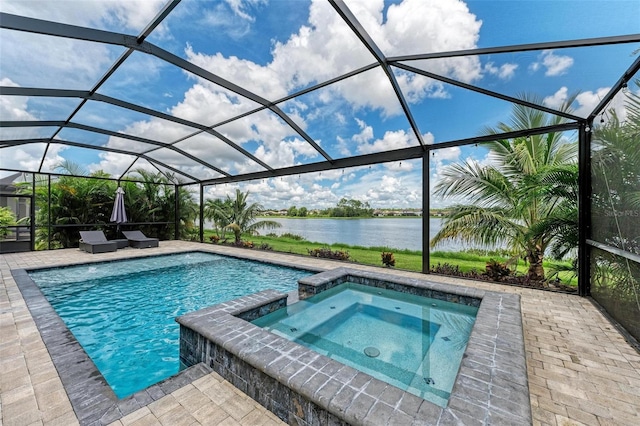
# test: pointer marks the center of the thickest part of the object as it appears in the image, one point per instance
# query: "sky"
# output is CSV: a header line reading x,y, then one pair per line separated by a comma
x,y
275,48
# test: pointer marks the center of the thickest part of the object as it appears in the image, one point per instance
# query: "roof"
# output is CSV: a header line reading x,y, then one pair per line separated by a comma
x,y
216,92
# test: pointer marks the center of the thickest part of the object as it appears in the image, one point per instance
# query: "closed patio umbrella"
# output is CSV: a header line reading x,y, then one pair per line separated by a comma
x,y
119,215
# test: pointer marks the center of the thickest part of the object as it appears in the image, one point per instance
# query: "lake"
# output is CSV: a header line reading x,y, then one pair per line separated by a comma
x,y
395,233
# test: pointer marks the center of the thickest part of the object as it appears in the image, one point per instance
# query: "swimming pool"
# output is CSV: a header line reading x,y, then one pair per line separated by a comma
x,y
414,343
123,312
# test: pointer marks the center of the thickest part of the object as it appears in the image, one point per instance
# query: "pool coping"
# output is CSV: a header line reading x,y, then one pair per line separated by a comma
x,y
91,397
303,387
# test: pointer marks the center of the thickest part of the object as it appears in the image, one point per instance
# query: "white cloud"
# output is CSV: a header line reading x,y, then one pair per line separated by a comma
x,y
261,80
377,185
416,87
294,63
586,101
557,99
504,71
114,15
13,107
43,61
446,154
390,140
417,26
7,82
115,164
327,40
342,145
206,103
22,157
393,191
29,156
38,61
555,65
284,153
365,135
240,7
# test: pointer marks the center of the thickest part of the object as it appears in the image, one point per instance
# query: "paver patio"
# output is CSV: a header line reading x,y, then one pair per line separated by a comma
x,y
580,368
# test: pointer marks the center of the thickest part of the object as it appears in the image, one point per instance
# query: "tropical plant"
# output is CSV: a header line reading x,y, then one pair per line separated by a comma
x,y
327,253
153,199
70,201
615,160
388,259
7,218
87,199
616,179
510,198
237,215
215,211
496,270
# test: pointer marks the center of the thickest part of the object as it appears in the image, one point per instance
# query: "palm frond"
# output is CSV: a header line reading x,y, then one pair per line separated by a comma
x,y
485,186
478,226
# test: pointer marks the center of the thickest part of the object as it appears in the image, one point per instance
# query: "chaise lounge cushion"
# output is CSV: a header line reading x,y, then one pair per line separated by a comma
x,y
95,242
138,240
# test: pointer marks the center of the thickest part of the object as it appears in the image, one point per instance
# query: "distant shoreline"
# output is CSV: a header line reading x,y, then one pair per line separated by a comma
x,y
347,218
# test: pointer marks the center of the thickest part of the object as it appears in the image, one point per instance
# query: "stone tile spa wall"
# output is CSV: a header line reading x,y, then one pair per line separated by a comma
x,y
303,387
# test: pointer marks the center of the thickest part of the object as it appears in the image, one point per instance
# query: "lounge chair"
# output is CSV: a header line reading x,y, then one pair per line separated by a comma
x,y
95,242
138,240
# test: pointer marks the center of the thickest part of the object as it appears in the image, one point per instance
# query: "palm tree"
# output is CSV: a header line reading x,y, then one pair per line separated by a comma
x,y
216,211
511,198
615,160
616,179
154,200
239,216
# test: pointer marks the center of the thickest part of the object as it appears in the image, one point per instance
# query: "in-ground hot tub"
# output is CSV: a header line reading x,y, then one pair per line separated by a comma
x,y
414,343
302,386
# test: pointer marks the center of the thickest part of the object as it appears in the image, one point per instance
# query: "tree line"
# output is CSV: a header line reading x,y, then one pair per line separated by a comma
x,y
344,208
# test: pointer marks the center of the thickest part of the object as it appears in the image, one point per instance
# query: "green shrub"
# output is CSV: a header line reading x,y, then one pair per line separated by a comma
x,y
7,218
387,259
291,236
327,253
496,271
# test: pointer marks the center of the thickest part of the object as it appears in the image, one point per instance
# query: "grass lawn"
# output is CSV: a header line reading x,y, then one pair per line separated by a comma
x,y
405,259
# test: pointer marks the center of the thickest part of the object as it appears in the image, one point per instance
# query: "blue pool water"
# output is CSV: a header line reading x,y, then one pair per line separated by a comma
x,y
123,312
411,342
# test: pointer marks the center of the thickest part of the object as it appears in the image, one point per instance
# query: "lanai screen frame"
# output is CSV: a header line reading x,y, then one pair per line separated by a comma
x,y
423,151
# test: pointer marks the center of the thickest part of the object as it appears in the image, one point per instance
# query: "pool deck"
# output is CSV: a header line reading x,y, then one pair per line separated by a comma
x,y
580,369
